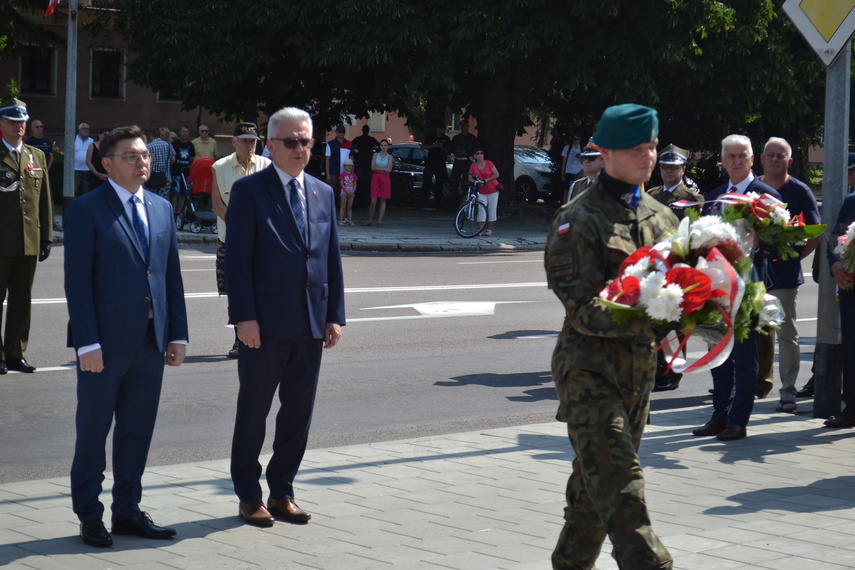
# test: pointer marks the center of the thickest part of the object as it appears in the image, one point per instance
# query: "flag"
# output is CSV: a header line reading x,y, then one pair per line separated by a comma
x,y
51,7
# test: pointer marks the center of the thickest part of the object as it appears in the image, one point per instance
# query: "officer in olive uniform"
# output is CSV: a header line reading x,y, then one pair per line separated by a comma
x,y
26,230
672,168
604,371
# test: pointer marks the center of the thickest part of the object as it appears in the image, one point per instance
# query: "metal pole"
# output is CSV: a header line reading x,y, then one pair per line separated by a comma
x,y
70,107
828,351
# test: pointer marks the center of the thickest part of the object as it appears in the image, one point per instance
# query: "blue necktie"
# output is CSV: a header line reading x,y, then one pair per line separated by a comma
x,y
297,208
139,226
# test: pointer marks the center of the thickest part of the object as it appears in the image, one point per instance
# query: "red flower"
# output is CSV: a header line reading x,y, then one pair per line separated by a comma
x,y
635,257
695,284
625,291
797,220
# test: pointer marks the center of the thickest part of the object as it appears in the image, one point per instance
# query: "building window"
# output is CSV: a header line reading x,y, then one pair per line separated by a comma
x,y
38,71
377,122
107,74
454,123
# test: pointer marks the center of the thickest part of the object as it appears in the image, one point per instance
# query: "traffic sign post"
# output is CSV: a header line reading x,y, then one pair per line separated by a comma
x,y
828,26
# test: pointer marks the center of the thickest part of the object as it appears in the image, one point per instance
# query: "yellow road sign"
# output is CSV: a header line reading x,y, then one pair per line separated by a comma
x,y
826,24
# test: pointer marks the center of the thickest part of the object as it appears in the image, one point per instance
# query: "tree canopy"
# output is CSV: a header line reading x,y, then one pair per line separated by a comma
x,y
710,67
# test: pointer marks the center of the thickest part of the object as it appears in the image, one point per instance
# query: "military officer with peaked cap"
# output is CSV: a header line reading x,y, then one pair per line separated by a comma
x,y
672,168
604,371
26,230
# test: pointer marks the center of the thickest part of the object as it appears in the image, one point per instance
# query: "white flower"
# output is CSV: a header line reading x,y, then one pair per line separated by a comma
x,y
707,228
638,269
665,306
780,216
651,286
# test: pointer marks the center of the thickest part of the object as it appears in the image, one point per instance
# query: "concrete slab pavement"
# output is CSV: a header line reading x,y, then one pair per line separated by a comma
x,y
782,498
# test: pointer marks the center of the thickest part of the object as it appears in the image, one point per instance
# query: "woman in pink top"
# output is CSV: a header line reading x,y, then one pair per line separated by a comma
x,y
381,183
484,172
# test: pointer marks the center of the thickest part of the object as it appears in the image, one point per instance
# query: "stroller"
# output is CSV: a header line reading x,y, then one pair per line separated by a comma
x,y
197,213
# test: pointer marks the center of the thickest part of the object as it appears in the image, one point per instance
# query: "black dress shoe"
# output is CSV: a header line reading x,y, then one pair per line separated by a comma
x,y
93,533
21,365
806,392
233,353
142,525
3,367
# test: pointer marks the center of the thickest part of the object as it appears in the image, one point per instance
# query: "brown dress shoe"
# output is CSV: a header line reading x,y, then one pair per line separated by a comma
x,y
733,432
712,427
288,510
844,420
255,514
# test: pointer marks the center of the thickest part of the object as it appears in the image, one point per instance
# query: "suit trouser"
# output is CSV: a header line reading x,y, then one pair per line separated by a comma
x,y
735,383
129,387
291,365
605,492
16,281
847,335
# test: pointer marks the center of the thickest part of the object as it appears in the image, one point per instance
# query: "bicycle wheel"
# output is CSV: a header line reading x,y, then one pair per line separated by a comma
x,y
466,222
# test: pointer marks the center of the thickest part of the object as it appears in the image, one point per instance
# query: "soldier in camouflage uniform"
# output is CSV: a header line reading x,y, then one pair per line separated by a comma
x,y
603,371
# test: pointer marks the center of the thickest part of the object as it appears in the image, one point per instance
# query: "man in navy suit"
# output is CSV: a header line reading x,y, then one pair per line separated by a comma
x,y
286,298
738,374
126,310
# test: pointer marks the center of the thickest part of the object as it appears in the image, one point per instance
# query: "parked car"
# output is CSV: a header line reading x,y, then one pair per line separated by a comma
x,y
408,173
534,174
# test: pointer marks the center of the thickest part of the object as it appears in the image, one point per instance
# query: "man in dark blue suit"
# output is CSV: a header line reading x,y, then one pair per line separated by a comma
x,y
738,374
126,309
286,298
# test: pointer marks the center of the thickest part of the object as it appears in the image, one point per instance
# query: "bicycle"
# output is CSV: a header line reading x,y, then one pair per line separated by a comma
x,y
466,222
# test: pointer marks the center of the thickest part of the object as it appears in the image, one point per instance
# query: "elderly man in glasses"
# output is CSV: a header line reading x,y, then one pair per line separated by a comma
x,y
25,231
228,170
204,145
126,319
286,299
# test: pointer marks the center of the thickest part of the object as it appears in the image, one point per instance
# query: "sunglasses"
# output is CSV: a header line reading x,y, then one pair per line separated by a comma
x,y
291,143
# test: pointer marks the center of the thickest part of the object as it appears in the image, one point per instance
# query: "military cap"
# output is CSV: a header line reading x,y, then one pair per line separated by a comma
x,y
590,150
625,126
673,155
246,131
14,110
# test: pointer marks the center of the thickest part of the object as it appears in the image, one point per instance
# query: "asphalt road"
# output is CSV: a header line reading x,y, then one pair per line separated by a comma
x,y
435,343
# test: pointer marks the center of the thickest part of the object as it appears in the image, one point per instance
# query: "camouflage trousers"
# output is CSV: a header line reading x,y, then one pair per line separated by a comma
x,y
605,492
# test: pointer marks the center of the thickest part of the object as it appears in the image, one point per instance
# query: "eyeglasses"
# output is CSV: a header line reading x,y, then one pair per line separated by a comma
x,y
132,157
479,152
203,131
588,158
291,143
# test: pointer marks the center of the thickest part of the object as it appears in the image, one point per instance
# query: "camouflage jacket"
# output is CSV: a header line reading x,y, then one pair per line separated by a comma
x,y
588,239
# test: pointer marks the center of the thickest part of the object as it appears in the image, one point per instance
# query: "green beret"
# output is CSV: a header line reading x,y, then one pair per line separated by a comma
x,y
625,126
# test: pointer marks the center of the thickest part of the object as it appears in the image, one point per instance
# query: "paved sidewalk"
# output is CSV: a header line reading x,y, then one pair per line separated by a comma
x,y
782,498
414,230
